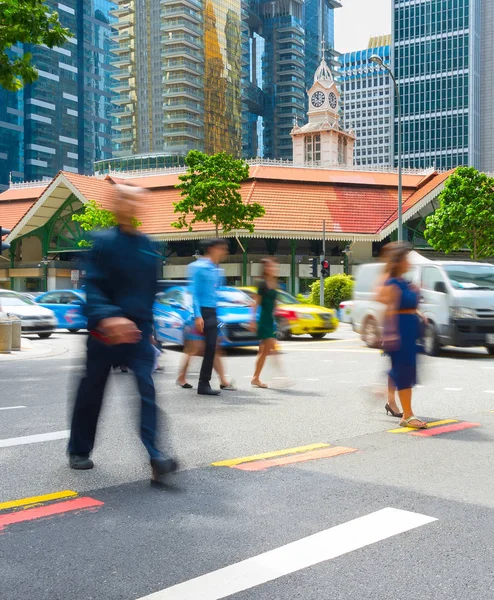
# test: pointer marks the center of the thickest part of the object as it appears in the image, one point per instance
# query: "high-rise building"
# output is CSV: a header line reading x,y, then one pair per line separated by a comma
x,y
61,121
232,75
367,94
440,57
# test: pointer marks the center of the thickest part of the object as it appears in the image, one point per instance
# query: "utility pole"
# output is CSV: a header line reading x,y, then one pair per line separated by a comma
x,y
321,279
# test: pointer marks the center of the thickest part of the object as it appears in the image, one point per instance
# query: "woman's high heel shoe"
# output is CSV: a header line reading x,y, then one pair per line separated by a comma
x,y
389,410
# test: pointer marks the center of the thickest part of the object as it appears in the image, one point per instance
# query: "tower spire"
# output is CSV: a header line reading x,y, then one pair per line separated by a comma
x,y
323,48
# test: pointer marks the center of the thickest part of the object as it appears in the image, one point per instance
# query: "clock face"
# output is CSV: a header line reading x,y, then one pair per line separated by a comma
x,y
333,100
317,99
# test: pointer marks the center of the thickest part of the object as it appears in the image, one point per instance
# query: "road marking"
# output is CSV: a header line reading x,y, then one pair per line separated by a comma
x,y
37,499
47,511
453,389
431,424
32,439
298,555
262,465
11,407
313,379
239,461
488,391
445,429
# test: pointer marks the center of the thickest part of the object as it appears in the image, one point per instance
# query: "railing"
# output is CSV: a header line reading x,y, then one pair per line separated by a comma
x,y
29,184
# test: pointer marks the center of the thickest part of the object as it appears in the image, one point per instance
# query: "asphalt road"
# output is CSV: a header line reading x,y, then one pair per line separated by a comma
x,y
388,516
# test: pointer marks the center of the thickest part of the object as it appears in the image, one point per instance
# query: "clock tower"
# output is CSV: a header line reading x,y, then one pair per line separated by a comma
x,y
322,142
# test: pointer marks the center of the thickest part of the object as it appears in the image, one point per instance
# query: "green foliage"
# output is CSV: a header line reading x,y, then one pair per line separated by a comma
x,y
210,193
303,299
337,289
94,217
465,218
28,22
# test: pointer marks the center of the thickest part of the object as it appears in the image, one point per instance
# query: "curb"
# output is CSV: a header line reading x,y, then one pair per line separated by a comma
x,y
27,349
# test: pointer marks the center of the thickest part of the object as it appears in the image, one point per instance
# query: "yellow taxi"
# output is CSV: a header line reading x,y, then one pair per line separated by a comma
x,y
295,318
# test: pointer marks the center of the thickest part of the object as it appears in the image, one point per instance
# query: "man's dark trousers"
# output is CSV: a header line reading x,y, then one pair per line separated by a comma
x,y
211,339
100,359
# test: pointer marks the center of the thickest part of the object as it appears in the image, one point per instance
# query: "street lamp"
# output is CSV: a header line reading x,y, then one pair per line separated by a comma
x,y
377,60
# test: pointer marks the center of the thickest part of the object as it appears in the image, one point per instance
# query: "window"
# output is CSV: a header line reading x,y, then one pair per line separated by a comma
x,y
313,149
53,298
430,277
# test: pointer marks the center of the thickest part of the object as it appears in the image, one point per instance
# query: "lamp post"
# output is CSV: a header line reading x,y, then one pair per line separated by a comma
x,y
377,60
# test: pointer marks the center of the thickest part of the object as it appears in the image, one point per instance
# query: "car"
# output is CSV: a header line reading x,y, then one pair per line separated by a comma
x,y
296,318
34,318
173,313
345,310
68,306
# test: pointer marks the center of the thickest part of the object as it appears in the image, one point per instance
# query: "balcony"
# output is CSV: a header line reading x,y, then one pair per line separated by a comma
x,y
181,25
123,48
182,51
121,113
184,92
182,77
182,65
177,105
185,38
122,23
122,138
123,99
192,132
123,87
121,73
122,11
191,3
123,125
182,11
186,120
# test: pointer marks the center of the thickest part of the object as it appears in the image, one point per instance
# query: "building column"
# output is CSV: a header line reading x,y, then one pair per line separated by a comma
x,y
245,244
293,270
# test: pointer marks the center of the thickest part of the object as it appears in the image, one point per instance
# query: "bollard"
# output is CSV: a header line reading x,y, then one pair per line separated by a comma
x,y
16,332
5,334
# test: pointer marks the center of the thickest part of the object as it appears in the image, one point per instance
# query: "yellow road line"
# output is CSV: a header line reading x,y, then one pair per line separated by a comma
x,y
431,424
37,499
245,459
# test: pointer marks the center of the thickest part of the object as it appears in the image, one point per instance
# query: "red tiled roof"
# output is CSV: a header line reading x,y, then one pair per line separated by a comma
x,y
24,193
11,212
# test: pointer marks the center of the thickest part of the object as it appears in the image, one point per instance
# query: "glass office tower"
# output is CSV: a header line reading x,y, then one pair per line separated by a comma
x,y
367,102
437,60
62,121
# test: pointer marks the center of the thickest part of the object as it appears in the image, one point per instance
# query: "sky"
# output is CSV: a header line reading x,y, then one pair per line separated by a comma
x,y
358,20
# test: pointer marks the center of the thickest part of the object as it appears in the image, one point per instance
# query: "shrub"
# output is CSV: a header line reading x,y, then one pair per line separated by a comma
x,y
337,289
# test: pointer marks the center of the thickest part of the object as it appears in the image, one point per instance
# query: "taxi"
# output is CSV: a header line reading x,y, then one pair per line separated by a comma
x,y
295,318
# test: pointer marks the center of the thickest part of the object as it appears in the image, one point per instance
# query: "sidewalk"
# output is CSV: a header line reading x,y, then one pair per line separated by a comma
x,y
30,350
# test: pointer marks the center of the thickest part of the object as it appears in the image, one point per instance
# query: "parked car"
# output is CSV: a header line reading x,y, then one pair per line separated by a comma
x,y
457,297
345,311
295,318
35,319
173,312
68,306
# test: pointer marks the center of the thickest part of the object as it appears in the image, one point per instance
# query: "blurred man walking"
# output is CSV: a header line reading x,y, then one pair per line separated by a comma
x,y
120,288
206,276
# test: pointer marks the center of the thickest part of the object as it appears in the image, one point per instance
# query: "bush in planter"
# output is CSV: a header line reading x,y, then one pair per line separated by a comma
x,y
337,289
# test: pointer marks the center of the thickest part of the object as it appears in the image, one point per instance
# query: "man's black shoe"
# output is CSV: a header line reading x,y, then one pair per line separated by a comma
x,y
80,463
207,390
161,467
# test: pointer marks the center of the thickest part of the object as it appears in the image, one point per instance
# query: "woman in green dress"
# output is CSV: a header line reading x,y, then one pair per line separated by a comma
x,y
265,325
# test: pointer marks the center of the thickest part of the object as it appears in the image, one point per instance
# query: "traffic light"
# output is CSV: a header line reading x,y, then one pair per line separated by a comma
x,y
314,268
3,245
325,268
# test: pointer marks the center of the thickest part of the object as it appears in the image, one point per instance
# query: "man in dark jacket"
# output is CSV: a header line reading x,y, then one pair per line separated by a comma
x,y
120,288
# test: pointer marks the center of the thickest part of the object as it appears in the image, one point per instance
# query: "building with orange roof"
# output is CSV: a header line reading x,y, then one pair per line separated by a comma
x,y
358,206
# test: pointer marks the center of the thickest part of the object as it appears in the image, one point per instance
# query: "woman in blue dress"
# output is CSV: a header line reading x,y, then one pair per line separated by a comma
x,y
401,331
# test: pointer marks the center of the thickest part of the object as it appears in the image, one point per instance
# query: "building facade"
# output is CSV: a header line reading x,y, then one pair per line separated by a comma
x,y
367,101
439,58
62,121
220,75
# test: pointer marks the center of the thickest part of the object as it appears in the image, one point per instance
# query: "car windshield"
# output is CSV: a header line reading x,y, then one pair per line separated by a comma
x,y
233,298
285,298
471,277
15,300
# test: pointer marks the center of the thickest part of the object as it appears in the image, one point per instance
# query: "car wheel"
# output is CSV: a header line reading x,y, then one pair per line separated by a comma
x,y
44,336
282,333
370,333
490,350
317,336
73,330
431,340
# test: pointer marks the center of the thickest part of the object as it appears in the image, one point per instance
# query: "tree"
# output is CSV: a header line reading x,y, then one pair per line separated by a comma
x,y
95,217
465,217
27,22
210,193
337,289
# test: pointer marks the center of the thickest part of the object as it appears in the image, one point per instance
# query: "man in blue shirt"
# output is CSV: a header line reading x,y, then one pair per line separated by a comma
x,y
121,285
205,278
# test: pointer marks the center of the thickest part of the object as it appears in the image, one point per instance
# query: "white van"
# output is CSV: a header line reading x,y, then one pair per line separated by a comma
x,y
457,297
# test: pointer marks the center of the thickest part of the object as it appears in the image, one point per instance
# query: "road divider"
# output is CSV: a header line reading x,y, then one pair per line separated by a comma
x,y
262,465
436,428
431,424
47,505
237,461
